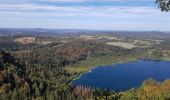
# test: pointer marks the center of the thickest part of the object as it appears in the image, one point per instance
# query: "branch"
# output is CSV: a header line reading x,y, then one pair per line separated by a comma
x,y
164,5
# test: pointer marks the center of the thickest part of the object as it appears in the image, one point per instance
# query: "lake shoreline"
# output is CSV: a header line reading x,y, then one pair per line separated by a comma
x,y
114,63
150,60
121,62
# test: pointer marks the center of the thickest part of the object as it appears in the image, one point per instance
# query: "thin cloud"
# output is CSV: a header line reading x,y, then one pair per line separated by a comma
x,y
64,1
81,11
33,7
11,13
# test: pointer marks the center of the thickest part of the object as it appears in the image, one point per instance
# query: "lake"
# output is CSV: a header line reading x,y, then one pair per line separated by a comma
x,y
122,77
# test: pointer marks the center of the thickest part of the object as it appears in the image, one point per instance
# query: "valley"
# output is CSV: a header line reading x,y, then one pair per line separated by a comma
x,y
47,64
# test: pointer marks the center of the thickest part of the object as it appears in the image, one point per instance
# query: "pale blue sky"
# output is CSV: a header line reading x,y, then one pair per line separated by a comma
x,y
84,14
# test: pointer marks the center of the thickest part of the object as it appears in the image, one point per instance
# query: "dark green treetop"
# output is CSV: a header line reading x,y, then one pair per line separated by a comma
x,y
164,5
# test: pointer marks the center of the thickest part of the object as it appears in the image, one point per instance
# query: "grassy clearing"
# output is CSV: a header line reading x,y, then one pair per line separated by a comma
x,y
122,44
91,62
87,37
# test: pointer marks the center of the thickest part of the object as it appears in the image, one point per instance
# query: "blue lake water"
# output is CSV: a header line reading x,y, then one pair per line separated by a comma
x,y
125,76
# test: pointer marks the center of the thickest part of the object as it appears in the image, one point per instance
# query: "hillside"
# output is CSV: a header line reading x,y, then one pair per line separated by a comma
x,y
13,80
20,82
38,71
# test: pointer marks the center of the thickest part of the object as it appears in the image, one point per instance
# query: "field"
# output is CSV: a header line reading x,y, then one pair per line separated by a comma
x,y
25,40
122,44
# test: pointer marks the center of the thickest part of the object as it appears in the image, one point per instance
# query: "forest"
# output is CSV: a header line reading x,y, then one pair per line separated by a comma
x,y
37,71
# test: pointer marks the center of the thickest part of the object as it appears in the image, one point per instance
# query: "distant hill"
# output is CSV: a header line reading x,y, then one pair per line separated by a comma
x,y
54,32
39,31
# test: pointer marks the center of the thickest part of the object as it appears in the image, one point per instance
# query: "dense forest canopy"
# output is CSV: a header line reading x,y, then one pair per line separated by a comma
x,y
37,71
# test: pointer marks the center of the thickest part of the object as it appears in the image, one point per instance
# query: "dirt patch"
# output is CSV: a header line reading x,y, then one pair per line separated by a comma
x,y
29,40
26,40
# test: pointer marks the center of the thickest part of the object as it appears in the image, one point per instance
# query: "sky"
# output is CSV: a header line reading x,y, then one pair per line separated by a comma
x,y
143,15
